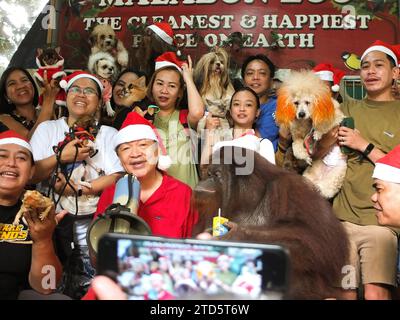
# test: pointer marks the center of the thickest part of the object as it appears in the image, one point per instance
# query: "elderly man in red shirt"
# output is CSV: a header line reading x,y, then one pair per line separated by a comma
x,y
164,201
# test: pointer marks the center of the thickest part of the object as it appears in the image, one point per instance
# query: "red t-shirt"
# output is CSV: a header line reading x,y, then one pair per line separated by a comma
x,y
168,211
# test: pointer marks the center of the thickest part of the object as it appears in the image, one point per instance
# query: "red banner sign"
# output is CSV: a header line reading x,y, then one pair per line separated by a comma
x,y
293,33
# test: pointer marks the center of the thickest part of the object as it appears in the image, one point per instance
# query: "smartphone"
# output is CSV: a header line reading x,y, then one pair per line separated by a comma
x,y
349,123
155,268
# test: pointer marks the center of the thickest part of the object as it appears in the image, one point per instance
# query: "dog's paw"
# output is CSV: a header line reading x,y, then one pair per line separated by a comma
x,y
109,110
317,135
111,113
299,151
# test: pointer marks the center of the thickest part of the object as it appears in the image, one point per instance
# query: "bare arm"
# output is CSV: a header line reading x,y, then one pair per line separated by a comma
x,y
46,112
46,269
49,97
323,146
352,138
45,167
97,185
14,125
195,102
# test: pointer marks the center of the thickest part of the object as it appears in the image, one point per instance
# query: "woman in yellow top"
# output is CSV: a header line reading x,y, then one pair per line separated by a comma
x,y
166,89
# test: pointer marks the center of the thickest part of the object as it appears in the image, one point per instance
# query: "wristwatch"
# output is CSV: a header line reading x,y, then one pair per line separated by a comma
x,y
368,149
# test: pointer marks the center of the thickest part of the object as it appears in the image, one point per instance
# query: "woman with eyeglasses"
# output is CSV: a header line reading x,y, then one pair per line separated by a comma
x,y
19,99
85,167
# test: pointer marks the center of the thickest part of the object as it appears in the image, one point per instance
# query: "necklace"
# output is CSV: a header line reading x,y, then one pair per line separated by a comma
x,y
28,124
163,122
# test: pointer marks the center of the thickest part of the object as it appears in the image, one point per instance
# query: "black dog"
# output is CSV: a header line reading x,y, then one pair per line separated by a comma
x,y
272,205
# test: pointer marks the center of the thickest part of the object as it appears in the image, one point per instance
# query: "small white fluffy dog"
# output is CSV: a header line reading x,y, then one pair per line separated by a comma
x,y
103,38
103,66
305,106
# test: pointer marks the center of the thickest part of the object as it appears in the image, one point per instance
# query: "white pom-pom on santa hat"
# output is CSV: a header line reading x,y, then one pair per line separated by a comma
x,y
387,168
164,31
326,72
67,81
135,127
391,50
169,58
12,137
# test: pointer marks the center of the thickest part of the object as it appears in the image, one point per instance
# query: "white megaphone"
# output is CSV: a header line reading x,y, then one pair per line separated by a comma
x,y
121,216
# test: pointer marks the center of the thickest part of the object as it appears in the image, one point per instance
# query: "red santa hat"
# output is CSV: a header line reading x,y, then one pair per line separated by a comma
x,y
135,127
12,137
67,81
169,58
391,50
396,49
326,72
388,167
164,31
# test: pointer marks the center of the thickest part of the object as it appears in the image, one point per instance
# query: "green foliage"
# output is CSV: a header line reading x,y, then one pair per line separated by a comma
x,y
372,7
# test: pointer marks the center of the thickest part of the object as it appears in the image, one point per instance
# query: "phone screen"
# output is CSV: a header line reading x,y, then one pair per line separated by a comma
x,y
151,268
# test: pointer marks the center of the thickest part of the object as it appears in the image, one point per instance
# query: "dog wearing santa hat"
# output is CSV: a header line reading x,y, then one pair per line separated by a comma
x,y
305,106
50,64
156,39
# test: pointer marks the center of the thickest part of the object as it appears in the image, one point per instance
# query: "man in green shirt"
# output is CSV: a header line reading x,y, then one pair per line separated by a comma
x,y
377,131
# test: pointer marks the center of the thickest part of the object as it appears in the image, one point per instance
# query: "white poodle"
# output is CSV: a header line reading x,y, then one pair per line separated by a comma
x,y
306,107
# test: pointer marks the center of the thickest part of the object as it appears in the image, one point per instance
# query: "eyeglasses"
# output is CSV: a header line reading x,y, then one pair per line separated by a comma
x,y
88,91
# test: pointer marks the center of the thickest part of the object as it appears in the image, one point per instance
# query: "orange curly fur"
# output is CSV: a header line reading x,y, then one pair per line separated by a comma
x,y
285,110
305,83
323,111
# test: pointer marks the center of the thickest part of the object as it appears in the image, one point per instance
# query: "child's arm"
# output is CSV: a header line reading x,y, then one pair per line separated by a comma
x,y
94,187
99,184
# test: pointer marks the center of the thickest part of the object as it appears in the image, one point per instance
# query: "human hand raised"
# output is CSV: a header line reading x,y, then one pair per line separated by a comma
x,y
212,122
50,88
187,70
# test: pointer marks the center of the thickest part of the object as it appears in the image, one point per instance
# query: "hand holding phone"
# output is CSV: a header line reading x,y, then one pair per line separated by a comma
x,y
154,268
347,122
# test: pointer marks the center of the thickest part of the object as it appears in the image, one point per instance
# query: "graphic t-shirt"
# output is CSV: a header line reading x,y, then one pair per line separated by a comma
x,y
15,254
